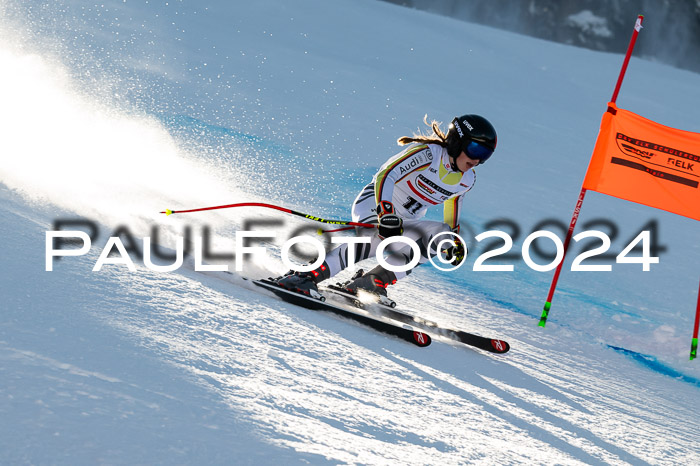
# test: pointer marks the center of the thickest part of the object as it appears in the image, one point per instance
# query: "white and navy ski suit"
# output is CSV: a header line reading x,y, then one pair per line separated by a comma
x,y
413,180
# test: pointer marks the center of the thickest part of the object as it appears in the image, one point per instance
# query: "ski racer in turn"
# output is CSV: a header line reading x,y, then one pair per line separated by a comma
x,y
431,170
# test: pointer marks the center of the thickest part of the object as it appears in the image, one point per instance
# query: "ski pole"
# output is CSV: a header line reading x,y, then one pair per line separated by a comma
x,y
275,207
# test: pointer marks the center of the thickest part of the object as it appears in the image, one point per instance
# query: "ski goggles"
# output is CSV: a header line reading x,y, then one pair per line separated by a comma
x,y
477,151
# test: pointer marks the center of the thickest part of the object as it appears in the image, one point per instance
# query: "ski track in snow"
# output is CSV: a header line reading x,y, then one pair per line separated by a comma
x,y
311,384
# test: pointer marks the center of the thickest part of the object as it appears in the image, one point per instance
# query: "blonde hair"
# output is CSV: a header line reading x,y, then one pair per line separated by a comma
x,y
438,137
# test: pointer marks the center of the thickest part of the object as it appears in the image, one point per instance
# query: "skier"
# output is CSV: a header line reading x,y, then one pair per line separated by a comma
x,y
432,170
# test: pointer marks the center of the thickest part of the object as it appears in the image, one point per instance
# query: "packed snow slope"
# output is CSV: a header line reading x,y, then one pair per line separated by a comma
x,y
114,111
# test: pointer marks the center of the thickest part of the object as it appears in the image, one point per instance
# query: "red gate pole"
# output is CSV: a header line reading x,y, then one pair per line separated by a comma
x,y
567,240
630,47
582,194
694,344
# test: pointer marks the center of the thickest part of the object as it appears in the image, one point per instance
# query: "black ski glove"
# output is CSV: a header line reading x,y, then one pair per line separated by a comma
x,y
456,254
390,224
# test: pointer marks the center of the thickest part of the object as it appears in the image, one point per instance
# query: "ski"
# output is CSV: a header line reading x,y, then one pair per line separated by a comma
x,y
403,330
491,345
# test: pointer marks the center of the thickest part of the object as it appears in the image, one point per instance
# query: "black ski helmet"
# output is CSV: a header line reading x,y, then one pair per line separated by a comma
x,y
470,128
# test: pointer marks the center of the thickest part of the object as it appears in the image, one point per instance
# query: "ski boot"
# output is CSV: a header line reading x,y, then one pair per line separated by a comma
x,y
374,282
304,282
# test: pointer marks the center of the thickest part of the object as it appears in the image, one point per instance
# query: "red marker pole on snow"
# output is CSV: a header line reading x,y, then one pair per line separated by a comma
x,y
694,344
630,47
567,240
582,194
